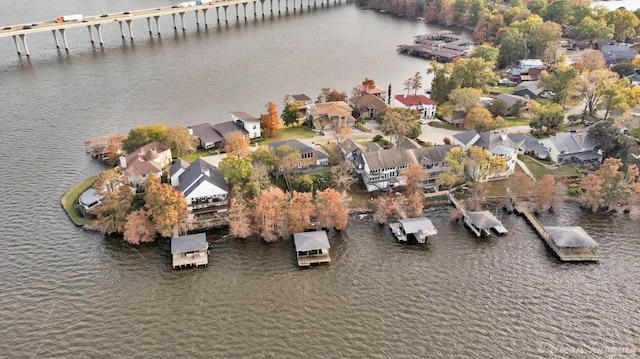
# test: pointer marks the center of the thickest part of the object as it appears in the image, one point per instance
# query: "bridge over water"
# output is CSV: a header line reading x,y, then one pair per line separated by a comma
x,y
97,21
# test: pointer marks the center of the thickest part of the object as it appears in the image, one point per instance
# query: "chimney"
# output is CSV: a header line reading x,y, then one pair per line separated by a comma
x,y
190,130
503,136
207,172
123,162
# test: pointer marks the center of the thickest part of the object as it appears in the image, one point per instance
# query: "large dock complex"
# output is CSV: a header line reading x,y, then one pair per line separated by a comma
x,y
60,25
442,46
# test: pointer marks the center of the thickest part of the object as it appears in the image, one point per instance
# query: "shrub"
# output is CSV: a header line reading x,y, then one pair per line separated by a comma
x,y
377,138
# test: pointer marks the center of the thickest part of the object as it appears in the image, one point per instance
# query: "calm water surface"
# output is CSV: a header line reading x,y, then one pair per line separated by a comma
x,y
65,292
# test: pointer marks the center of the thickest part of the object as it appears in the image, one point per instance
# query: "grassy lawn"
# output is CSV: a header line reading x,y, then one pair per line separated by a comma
x,y
446,126
539,170
502,89
70,198
290,133
194,156
517,121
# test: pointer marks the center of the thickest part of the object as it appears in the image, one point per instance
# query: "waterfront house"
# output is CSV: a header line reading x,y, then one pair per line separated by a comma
x,y
250,124
352,151
213,136
309,156
105,146
148,159
495,142
425,106
368,105
381,169
302,98
189,250
312,248
376,91
418,229
176,170
323,114
571,147
205,190
528,145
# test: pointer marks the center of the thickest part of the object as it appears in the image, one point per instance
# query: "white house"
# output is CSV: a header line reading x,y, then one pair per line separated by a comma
x,y
421,103
497,143
567,147
204,190
249,123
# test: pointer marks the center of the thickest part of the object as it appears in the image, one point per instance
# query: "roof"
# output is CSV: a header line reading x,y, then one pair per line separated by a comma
x,y
415,225
407,143
177,166
296,145
142,160
206,133
614,53
432,154
244,116
533,86
372,91
391,158
483,219
89,197
528,143
510,100
568,143
196,173
466,137
349,145
332,108
301,97
309,241
497,142
228,127
367,101
189,243
414,100
529,63
570,237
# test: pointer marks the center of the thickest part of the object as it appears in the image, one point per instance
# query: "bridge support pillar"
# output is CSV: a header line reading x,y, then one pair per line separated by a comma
x,y
237,15
64,39
99,31
197,17
182,18
15,41
218,14
262,3
204,15
23,37
55,38
255,11
225,14
121,29
286,5
174,21
244,5
130,29
157,18
278,7
271,7
90,33
149,25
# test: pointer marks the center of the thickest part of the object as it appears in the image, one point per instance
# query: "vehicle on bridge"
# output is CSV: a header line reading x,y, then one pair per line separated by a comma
x,y
65,18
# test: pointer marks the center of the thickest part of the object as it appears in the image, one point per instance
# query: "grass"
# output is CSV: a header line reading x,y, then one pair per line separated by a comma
x,y
503,89
194,156
291,133
517,121
446,126
70,198
539,170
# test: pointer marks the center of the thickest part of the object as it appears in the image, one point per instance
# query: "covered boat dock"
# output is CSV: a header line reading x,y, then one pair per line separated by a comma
x,y
312,248
420,228
190,250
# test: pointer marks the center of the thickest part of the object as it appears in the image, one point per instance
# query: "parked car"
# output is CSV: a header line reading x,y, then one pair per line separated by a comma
x,y
105,15
7,28
26,26
423,121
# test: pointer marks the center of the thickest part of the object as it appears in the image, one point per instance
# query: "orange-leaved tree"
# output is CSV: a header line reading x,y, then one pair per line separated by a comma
x,y
237,144
269,214
413,175
271,120
166,205
300,211
139,228
239,225
331,209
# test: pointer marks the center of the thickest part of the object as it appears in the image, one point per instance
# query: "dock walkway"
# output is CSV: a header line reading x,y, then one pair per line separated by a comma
x,y
566,255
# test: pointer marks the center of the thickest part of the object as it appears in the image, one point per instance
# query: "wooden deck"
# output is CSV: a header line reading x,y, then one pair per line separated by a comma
x,y
308,261
191,259
585,254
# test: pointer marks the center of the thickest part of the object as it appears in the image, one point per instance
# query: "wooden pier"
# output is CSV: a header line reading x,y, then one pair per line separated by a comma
x,y
579,254
442,46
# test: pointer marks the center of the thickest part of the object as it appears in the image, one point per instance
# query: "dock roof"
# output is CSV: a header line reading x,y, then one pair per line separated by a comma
x,y
189,243
483,219
417,224
309,241
570,237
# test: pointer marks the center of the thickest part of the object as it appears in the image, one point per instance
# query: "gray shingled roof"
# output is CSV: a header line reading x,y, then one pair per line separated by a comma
x,y
532,86
510,100
391,158
228,127
309,241
570,237
195,174
466,137
294,144
528,143
206,133
567,143
301,97
483,219
415,225
189,243
494,142
177,166
432,154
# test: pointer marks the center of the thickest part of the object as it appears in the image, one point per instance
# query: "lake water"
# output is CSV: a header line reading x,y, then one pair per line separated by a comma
x,y
66,292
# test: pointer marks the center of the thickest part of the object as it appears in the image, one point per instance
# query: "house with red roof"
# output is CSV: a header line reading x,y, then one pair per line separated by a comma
x,y
421,103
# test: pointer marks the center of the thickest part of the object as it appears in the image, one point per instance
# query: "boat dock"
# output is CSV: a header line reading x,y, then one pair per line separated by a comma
x,y
576,254
442,46
481,223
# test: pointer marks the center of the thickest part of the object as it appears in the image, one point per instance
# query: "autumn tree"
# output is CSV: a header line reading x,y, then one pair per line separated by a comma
x,y
617,95
558,81
591,30
139,228
115,202
331,209
513,47
487,53
265,156
624,23
269,214
548,117
588,86
342,176
456,158
300,211
271,120
178,139
415,205
330,95
481,164
474,73
413,177
142,135
464,99
341,130
413,83
237,144
544,191
398,122
166,205
239,224
593,60
480,119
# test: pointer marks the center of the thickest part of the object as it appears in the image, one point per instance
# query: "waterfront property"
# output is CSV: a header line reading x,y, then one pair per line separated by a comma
x,y
190,250
104,147
567,147
425,106
481,223
570,244
312,248
369,105
148,159
323,114
88,200
442,46
418,228
213,136
309,156
495,142
204,189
